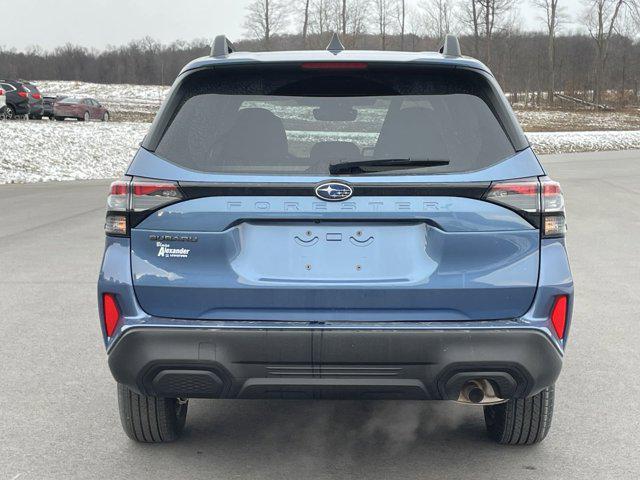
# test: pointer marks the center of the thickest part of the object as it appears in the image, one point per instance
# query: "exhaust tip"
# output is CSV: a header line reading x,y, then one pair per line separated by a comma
x,y
475,394
478,392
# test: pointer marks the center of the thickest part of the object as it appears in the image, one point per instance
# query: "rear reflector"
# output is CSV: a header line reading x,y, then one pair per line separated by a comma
x,y
334,66
111,313
559,316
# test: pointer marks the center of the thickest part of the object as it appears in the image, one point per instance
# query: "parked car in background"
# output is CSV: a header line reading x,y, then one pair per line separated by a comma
x,y
83,109
36,107
48,103
17,98
3,103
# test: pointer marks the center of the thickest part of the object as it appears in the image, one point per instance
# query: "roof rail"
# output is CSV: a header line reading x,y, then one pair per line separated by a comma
x,y
221,47
335,45
450,46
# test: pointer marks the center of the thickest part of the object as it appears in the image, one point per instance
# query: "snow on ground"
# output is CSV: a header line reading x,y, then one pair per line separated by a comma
x,y
580,120
43,151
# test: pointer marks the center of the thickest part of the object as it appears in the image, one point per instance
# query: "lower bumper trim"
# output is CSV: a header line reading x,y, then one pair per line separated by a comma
x,y
310,363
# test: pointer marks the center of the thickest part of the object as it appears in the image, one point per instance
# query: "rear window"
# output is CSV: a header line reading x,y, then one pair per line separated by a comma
x,y
298,122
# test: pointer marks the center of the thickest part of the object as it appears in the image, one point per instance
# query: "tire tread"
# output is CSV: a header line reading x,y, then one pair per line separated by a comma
x,y
150,419
521,421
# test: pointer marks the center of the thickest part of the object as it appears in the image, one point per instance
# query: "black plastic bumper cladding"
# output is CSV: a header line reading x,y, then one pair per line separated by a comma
x,y
325,363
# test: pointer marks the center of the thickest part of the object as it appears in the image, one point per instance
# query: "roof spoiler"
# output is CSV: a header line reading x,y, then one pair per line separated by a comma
x,y
450,46
221,47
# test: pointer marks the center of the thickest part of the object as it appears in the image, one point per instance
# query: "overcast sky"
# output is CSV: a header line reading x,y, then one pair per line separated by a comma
x,y
98,23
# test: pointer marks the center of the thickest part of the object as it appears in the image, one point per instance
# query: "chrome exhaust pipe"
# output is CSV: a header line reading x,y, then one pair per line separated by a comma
x,y
479,392
473,392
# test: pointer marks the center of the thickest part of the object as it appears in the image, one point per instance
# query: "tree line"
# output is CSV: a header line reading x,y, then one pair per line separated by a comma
x,y
600,63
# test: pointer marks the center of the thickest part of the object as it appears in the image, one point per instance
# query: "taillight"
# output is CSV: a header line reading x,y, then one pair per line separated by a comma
x,y
540,201
1,91
522,195
149,195
129,201
23,94
559,316
37,96
110,312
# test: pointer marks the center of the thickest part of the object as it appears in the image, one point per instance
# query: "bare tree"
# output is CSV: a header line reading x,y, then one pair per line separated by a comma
x,y
602,19
552,16
485,17
305,22
264,19
357,17
470,15
343,18
325,16
383,19
401,14
494,12
438,15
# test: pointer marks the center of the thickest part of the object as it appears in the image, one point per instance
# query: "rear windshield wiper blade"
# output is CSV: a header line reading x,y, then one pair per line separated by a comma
x,y
365,166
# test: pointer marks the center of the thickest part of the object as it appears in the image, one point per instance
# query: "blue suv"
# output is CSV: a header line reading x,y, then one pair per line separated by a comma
x,y
336,224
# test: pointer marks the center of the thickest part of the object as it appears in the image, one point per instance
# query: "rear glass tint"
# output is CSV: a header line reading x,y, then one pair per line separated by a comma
x,y
301,123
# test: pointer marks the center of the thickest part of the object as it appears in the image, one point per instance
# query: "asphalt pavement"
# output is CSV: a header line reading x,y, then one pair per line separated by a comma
x,y
58,409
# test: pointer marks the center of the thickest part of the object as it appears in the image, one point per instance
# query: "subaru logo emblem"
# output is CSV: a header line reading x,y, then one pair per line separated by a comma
x,y
334,192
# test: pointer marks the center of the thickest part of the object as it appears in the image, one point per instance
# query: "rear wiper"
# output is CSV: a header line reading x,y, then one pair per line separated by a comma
x,y
382,164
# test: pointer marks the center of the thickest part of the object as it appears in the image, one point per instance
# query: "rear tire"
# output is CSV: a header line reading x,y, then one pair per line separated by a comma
x,y
10,113
522,421
151,419
85,118
105,117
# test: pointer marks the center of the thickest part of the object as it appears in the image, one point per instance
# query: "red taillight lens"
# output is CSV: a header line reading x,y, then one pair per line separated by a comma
x,y
519,195
334,66
1,91
559,316
149,195
37,96
111,313
23,94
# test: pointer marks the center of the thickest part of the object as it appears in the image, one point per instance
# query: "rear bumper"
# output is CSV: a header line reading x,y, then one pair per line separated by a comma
x,y
323,362
36,109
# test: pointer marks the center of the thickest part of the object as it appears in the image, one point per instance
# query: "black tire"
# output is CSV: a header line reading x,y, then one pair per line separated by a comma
x,y
10,113
523,421
85,118
59,119
105,117
151,419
